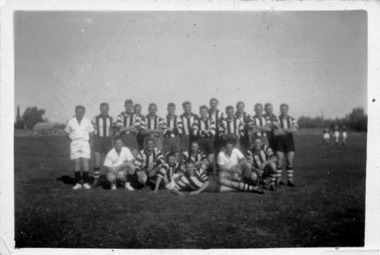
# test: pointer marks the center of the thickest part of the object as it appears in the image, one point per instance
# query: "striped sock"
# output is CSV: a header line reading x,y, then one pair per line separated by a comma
x,y
96,173
289,171
278,173
273,177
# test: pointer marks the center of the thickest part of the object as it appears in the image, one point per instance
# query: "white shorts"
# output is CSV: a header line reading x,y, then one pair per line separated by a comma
x,y
336,134
170,185
326,136
344,134
80,149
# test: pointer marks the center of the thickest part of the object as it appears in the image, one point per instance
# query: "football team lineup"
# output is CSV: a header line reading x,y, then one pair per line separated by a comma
x,y
214,151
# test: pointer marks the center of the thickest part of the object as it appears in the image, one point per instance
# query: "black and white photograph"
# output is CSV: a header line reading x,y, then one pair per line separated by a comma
x,y
189,129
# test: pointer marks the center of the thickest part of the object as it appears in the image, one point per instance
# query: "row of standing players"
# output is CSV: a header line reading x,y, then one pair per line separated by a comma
x,y
259,143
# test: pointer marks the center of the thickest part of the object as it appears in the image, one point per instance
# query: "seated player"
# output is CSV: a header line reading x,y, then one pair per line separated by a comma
x,y
172,132
147,164
196,181
168,172
119,164
233,165
153,126
80,131
196,155
326,137
263,162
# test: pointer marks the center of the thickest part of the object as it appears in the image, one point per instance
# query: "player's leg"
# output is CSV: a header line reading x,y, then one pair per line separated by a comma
x,y
273,175
97,165
280,159
289,168
229,185
111,178
77,174
86,168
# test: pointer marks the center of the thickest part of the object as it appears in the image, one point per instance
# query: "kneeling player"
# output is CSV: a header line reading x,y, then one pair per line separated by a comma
x,y
196,155
147,163
263,162
168,172
119,163
196,181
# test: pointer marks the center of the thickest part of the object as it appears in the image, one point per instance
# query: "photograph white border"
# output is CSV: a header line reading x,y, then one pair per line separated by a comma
x,y
372,212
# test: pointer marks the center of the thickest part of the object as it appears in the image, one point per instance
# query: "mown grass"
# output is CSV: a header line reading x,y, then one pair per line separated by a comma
x,y
326,209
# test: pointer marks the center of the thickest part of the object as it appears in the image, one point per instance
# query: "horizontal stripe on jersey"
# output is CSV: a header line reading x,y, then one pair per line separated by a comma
x,y
287,122
204,128
145,158
187,123
103,125
231,126
197,156
189,182
128,120
258,121
216,116
167,171
175,123
243,117
257,158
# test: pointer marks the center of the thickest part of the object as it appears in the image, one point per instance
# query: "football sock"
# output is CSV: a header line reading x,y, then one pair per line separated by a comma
x,y
273,177
77,176
278,173
245,187
289,171
96,172
85,177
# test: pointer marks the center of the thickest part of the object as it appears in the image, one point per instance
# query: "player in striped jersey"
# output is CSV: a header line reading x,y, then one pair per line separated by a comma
x,y
196,181
284,144
204,129
147,163
231,125
188,118
196,155
140,137
258,125
172,132
244,118
128,125
168,172
153,126
104,129
271,120
263,162
216,115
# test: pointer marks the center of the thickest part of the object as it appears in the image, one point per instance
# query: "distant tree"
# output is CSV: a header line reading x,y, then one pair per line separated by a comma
x,y
32,116
357,120
19,124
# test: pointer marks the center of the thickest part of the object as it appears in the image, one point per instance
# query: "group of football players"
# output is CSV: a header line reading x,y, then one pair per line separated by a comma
x,y
215,151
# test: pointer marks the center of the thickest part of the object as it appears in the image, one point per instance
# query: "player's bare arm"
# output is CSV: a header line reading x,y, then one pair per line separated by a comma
x,y
201,189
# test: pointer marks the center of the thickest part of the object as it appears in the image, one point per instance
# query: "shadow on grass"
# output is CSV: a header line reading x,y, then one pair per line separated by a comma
x,y
71,181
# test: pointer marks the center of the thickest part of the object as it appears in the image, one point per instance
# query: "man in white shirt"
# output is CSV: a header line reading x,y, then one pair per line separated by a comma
x,y
120,164
234,166
80,131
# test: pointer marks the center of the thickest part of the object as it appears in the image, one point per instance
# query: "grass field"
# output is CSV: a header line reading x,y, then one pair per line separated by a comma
x,y
325,209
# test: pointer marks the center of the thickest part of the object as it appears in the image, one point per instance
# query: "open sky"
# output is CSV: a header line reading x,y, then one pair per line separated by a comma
x,y
314,61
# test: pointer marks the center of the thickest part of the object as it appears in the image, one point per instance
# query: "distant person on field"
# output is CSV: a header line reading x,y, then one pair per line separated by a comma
x,y
119,163
104,130
326,137
344,135
336,134
80,131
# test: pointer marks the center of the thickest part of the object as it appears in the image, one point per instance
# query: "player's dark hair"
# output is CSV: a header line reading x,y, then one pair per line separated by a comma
x,y
149,139
80,107
267,104
128,101
189,161
194,141
137,105
118,137
203,107
284,105
170,154
104,104
171,105
186,103
231,139
152,104
229,108
259,104
240,102
214,99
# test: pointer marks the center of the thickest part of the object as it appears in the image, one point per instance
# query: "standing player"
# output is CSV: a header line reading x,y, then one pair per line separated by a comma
x,y
326,137
172,132
168,172
263,162
188,118
104,129
217,116
204,128
80,131
258,125
244,119
336,134
196,155
231,126
147,163
271,120
119,163
128,124
153,126
344,135
140,137
284,144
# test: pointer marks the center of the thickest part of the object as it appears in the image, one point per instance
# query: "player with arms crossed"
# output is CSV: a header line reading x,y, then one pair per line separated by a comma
x,y
197,155
153,126
196,181
244,119
172,132
258,125
140,137
231,126
188,118
119,164
168,172
80,131
104,129
271,119
217,116
284,143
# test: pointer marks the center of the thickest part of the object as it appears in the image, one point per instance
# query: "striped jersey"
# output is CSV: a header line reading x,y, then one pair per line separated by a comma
x,y
256,158
197,156
125,119
204,128
188,122
167,171
216,116
153,122
231,126
287,122
103,125
258,121
173,122
243,117
193,182
145,158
